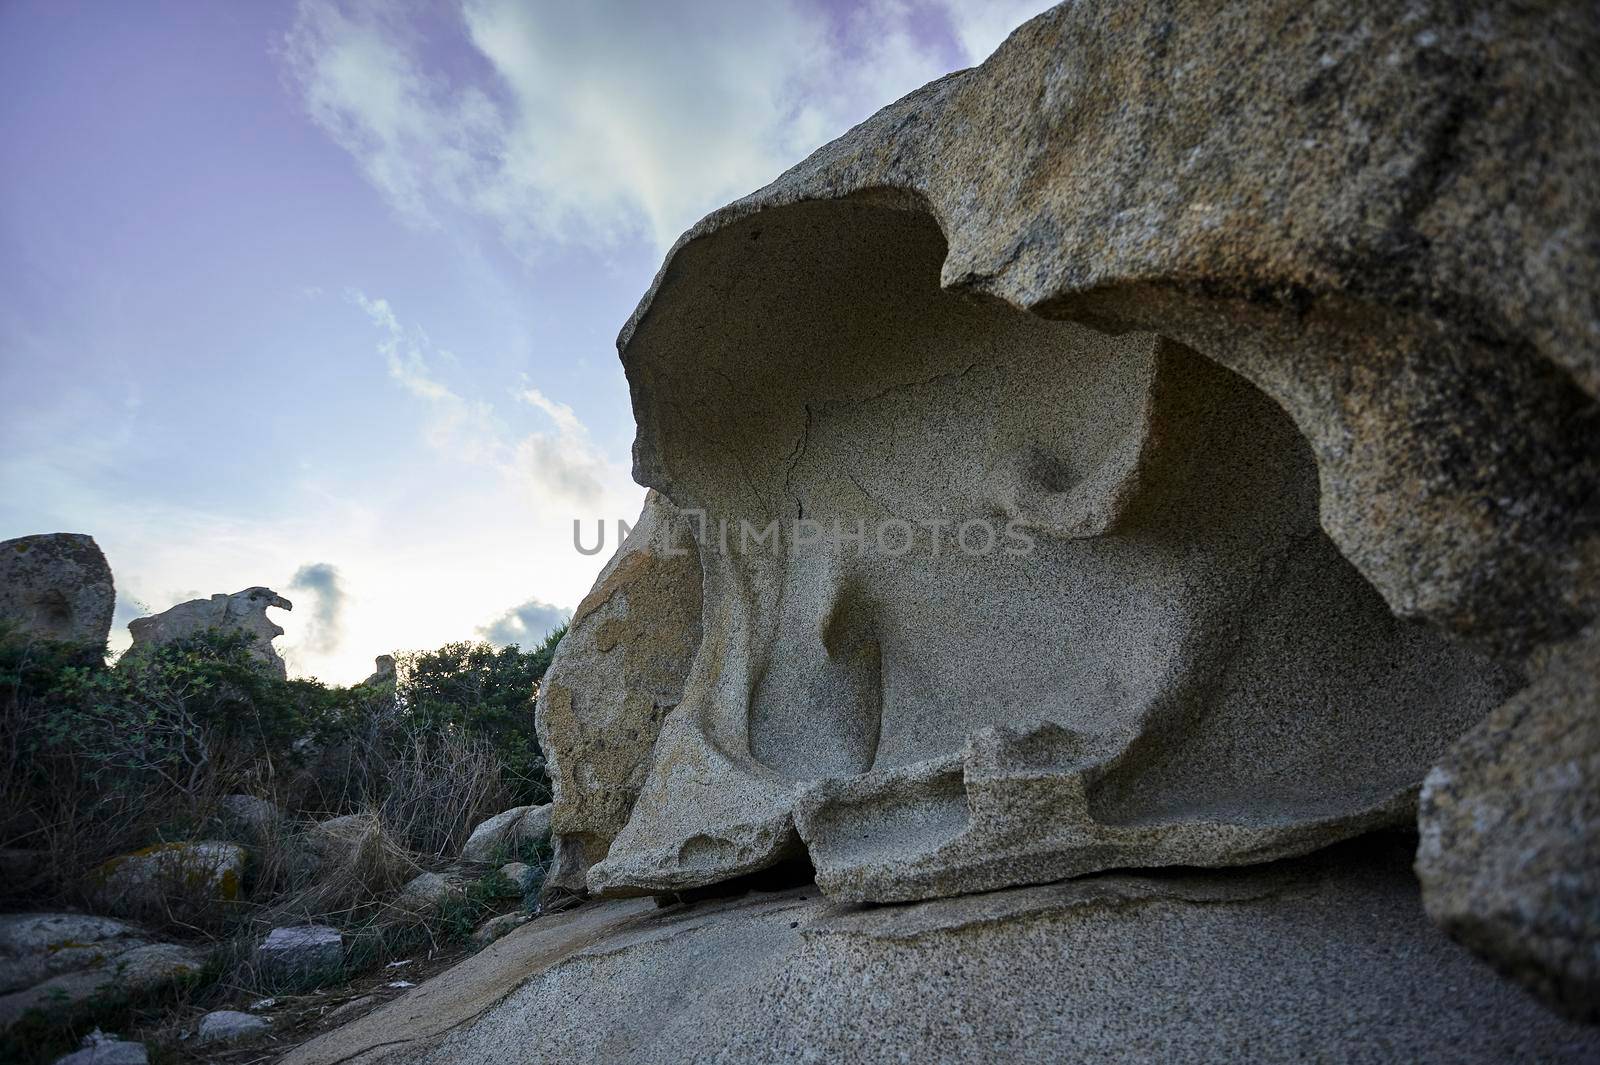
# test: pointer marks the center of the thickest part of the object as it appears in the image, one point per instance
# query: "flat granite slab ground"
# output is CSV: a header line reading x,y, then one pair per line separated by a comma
x,y
1328,958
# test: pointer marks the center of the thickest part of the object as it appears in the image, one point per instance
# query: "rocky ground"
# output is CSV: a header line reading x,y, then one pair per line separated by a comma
x,y
126,987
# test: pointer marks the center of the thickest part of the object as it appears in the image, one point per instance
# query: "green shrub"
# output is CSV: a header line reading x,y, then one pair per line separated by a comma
x,y
475,690
183,712
98,762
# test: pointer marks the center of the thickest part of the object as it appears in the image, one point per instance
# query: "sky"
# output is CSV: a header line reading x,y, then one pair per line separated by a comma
x,y
324,296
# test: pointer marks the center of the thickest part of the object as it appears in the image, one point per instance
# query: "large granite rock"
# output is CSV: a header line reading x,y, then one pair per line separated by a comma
x,y
57,586
1510,818
1154,446
616,674
1325,959
1186,439
37,946
244,611
56,962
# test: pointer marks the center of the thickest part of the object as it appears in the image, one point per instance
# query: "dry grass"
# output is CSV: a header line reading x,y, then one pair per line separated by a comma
x,y
438,790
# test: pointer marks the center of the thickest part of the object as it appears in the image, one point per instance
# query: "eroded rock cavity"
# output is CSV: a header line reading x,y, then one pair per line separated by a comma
x,y
1039,600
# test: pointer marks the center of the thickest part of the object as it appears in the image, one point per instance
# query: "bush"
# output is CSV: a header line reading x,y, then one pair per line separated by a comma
x,y
472,689
98,762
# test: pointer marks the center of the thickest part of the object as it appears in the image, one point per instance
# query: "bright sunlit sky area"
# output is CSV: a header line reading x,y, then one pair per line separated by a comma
x,y
324,296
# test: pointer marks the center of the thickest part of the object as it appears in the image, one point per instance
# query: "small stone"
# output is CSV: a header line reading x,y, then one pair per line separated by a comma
x,y
521,874
495,927
301,954
229,1026
355,1005
101,1049
426,892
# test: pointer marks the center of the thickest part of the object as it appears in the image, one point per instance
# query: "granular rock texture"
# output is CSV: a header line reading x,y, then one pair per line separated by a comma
x,y
244,611
1091,503
1154,446
616,674
57,586
60,961
1510,818
1325,959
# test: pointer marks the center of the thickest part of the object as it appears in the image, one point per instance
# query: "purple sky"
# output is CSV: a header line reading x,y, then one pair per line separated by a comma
x,y
331,289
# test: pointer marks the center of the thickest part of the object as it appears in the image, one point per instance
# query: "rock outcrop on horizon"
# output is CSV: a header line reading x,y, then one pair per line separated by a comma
x,y
244,611
1157,446
57,586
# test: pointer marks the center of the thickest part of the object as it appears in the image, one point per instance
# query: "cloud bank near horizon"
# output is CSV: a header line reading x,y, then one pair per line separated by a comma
x,y
525,624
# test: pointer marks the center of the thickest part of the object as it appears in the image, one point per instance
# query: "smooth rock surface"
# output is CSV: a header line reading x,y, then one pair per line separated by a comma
x,y
229,1026
1153,656
1510,818
300,954
183,879
57,586
1328,958
244,611
616,674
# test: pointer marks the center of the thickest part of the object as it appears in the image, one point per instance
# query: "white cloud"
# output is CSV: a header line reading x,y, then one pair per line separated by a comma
x,y
526,624
465,428
561,469
981,26
564,465
611,121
